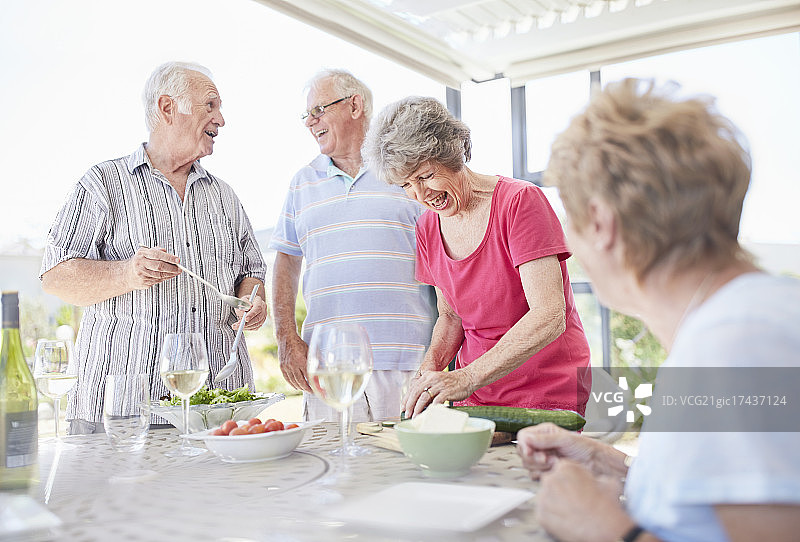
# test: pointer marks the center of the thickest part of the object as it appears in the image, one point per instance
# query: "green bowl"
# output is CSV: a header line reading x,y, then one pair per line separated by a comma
x,y
445,455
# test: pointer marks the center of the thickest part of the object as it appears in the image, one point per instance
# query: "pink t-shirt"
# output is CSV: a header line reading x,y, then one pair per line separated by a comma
x,y
485,290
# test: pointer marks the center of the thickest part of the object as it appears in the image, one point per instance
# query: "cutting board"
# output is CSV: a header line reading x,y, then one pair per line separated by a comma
x,y
382,437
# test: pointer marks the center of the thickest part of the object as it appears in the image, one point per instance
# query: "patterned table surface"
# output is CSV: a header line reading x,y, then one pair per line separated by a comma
x,y
100,494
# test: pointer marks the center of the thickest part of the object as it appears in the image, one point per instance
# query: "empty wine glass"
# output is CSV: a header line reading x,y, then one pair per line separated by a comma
x,y
339,367
184,370
55,372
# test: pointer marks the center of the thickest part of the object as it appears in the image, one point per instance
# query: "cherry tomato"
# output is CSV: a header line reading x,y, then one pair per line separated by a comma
x,y
229,426
274,425
219,432
257,428
291,426
239,431
253,421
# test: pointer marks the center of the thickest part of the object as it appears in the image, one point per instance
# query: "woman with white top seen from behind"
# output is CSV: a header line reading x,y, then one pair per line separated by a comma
x,y
653,187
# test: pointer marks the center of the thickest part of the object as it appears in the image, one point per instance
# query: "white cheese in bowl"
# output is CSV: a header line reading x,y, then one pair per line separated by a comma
x,y
440,419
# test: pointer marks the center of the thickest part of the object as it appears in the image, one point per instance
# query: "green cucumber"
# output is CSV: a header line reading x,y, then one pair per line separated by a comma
x,y
512,419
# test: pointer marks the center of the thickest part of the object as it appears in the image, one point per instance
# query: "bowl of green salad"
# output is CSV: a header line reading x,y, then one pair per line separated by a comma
x,y
211,407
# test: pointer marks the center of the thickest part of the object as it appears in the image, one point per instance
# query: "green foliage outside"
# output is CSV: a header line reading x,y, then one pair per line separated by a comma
x,y
636,354
36,323
263,351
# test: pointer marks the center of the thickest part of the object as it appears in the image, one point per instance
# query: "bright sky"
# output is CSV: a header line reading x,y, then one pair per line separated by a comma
x,y
71,81
755,83
73,71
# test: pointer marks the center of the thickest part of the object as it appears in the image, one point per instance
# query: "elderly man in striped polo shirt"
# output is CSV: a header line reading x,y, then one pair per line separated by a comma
x,y
356,234
159,197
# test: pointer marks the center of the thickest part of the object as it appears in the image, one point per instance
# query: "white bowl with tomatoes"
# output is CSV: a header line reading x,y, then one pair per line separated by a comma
x,y
253,440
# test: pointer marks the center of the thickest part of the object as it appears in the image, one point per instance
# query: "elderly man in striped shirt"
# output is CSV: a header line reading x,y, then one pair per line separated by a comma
x,y
162,198
356,234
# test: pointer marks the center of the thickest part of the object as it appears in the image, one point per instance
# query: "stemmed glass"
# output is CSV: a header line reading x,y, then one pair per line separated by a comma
x,y
184,370
55,373
339,367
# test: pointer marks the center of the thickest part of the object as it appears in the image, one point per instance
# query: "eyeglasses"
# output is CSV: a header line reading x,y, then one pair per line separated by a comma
x,y
319,110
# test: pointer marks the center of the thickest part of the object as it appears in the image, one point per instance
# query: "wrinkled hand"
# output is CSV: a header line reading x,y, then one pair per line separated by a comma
x,y
150,266
293,356
573,505
541,446
255,317
436,387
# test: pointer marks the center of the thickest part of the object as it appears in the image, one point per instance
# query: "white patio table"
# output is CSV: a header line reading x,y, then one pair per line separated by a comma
x,y
103,495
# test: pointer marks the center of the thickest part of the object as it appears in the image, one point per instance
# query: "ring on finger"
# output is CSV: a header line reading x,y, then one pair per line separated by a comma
x,y
428,391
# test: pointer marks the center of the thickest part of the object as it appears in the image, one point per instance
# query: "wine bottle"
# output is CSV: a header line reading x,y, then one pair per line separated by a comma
x,y
19,424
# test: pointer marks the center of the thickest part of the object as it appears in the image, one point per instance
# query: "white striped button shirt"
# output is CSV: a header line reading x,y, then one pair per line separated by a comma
x,y
121,204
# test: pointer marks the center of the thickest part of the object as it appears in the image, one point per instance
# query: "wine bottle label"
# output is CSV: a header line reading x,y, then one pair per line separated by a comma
x,y
10,309
21,438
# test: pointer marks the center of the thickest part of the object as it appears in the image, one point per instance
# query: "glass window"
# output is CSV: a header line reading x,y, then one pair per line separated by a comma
x,y
486,109
758,90
550,103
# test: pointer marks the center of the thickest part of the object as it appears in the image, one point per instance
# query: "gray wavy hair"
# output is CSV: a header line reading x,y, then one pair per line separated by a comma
x,y
344,84
411,132
170,79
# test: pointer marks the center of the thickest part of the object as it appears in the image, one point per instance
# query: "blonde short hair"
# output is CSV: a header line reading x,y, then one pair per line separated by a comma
x,y
675,173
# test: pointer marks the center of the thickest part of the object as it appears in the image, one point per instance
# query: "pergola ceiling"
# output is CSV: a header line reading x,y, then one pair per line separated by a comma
x,y
453,41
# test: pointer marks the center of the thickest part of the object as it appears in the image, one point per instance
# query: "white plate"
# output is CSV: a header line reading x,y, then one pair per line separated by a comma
x,y
417,505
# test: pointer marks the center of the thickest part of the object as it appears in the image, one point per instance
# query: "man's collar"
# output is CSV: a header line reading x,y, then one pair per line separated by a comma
x,y
333,170
140,158
320,163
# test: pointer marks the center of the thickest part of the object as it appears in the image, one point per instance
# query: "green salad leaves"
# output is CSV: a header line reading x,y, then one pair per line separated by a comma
x,y
215,396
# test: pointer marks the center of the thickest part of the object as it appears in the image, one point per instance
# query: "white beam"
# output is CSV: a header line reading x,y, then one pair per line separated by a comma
x,y
386,35
655,43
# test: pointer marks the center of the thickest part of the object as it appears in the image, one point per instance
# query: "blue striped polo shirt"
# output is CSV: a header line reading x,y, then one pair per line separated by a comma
x,y
357,238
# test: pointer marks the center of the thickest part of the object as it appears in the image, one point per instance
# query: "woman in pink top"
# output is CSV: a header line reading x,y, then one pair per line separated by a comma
x,y
495,252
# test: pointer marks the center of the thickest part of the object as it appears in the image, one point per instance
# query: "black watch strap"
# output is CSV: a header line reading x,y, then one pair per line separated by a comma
x,y
632,534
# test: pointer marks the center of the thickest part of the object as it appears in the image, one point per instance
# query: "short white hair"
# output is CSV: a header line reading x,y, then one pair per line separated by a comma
x,y
170,79
344,84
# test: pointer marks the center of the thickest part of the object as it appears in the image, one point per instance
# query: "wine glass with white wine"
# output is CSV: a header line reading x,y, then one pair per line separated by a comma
x,y
55,372
184,370
339,367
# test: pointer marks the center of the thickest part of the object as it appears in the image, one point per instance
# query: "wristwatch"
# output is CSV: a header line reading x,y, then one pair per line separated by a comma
x,y
632,535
